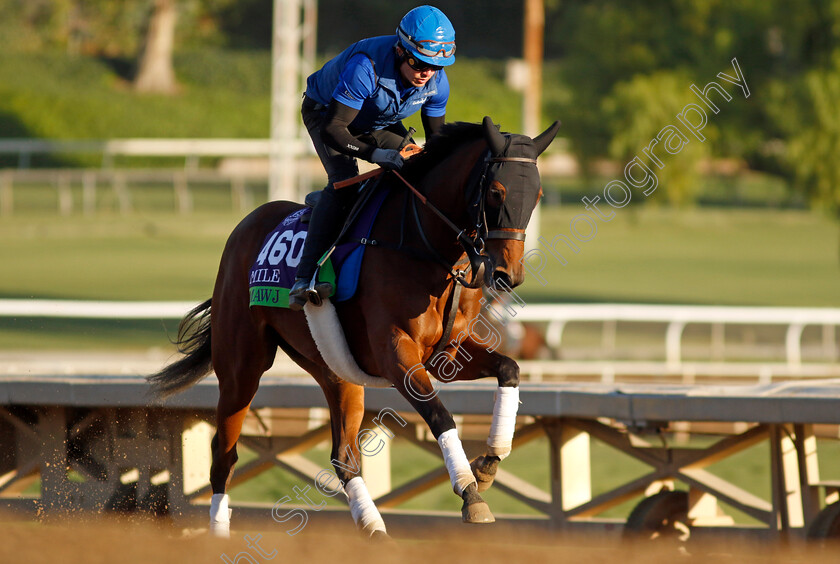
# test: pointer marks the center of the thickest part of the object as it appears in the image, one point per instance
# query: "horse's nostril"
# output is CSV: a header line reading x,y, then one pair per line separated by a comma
x,y
501,280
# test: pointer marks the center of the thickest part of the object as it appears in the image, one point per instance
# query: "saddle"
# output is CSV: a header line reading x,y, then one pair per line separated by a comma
x,y
310,201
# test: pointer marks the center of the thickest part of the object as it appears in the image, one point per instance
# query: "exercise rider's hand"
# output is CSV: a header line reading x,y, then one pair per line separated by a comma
x,y
389,159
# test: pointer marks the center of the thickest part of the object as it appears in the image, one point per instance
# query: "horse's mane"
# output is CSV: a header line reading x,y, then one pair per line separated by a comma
x,y
439,146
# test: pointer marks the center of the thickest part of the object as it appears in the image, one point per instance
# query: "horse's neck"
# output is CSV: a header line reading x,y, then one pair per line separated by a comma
x,y
445,187
446,184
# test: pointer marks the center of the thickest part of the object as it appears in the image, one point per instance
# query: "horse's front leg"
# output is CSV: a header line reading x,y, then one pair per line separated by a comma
x,y
476,360
412,381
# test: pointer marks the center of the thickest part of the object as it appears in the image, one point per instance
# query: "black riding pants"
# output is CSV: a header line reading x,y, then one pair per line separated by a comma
x,y
334,205
338,165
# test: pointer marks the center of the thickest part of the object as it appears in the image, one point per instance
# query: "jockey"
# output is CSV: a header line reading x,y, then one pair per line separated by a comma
x,y
353,107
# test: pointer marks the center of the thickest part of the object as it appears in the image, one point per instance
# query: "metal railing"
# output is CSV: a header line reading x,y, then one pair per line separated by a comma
x,y
119,181
553,320
677,317
190,149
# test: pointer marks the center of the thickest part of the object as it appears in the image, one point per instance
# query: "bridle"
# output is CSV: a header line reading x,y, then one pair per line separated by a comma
x,y
500,233
472,239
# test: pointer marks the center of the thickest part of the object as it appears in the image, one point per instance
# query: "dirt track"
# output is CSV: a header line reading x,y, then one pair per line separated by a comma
x,y
131,542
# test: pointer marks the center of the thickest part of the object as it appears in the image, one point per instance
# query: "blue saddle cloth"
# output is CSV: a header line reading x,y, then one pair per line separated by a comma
x,y
273,272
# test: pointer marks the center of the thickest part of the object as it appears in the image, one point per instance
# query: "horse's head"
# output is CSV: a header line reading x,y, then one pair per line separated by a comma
x,y
507,195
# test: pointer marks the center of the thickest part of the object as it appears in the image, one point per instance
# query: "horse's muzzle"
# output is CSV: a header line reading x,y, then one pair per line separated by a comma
x,y
501,281
504,269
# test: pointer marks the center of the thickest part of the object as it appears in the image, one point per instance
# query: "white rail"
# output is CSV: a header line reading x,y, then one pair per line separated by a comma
x,y
678,316
556,318
189,148
94,309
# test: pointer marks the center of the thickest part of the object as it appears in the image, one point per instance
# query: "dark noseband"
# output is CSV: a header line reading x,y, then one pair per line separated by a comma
x,y
512,160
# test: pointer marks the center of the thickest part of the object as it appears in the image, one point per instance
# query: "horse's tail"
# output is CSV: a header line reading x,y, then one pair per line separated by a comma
x,y
194,342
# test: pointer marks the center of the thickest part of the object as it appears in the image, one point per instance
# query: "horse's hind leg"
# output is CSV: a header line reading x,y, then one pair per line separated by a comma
x,y
241,353
347,406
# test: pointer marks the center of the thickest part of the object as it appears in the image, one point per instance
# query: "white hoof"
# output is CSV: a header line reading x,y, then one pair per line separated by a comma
x,y
220,530
220,516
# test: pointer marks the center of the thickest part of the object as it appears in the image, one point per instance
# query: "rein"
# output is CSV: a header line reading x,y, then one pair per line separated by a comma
x,y
425,202
470,247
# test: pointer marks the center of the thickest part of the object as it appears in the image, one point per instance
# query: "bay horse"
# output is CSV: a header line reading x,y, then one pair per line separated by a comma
x,y
464,201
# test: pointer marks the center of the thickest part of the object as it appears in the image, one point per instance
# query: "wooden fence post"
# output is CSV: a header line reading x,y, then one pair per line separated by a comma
x,y
6,197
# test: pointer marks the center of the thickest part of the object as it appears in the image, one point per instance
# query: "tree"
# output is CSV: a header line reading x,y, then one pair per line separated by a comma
x,y
142,32
636,112
155,72
814,150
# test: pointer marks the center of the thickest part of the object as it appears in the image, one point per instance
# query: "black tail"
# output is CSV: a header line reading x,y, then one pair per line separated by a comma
x,y
193,341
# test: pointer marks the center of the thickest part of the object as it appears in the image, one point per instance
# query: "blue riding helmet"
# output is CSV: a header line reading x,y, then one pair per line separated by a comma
x,y
427,34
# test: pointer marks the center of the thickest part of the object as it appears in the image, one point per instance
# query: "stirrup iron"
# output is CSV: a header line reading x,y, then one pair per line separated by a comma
x,y
317,292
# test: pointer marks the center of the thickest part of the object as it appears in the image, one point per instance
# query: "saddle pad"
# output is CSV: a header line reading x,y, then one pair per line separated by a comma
x,y
273,272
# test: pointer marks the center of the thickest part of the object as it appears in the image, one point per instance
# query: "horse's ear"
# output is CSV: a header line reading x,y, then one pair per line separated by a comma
x,y
494,138
544,139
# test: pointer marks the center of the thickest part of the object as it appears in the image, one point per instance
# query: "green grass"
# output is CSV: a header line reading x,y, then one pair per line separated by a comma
x,y
55,96
656,255
702,256
222,94
755,190
145,257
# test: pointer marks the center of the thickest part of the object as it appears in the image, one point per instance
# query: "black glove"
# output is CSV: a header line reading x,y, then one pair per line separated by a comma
x,y
389,159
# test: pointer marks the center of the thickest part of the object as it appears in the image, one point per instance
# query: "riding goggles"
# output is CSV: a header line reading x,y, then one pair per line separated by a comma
x,y
429,47
421,66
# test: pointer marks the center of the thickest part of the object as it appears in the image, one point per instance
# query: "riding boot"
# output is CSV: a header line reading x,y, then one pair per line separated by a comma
x,y
324,225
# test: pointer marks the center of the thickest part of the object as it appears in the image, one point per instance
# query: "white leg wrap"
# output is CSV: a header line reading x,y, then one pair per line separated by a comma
x,y
220,516
362,509
456,461
504,422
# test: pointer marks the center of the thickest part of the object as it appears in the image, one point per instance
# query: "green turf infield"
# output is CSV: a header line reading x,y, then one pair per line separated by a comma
x,y
656,255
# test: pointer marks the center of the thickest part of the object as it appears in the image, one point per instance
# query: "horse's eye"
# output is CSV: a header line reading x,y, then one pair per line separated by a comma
x,y
496,194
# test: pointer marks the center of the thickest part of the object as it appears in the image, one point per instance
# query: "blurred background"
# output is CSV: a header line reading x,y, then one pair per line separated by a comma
x,y
133,138
747,217
111,187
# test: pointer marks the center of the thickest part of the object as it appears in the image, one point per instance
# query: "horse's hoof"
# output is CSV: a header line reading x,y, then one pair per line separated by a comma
x,y
381,537
477,512
219,530
484,470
